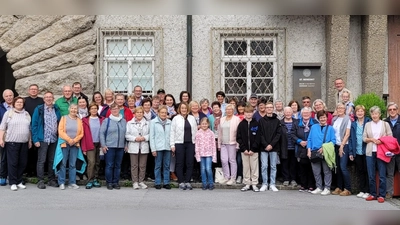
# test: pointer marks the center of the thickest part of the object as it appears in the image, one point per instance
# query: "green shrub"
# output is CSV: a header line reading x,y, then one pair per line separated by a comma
x,y
371,99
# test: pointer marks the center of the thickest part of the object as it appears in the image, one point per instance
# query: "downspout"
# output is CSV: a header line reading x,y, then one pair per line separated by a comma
x,y
189,54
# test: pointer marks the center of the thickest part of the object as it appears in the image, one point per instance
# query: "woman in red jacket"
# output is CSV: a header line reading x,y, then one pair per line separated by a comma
x,y
90,144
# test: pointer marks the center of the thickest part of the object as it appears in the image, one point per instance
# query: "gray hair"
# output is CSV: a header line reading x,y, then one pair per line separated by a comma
x,y
306,109
392,104
375,109
340,104
72,105
277,101
288,108
319,100
204,100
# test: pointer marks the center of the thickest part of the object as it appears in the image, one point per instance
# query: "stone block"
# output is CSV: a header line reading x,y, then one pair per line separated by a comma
x,y
6,22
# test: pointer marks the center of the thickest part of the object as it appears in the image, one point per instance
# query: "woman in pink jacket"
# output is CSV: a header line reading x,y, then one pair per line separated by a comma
x,y
206,153
90,144
227,144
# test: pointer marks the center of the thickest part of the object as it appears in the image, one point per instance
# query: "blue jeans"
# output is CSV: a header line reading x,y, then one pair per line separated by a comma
x,y
70,153
113,164
343,175
162,161
273,157
206,171
374,163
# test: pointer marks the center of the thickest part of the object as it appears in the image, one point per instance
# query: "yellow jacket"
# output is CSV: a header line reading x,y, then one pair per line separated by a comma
x,y
63,134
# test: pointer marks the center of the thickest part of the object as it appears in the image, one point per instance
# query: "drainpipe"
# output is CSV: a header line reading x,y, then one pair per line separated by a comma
x,y
189,54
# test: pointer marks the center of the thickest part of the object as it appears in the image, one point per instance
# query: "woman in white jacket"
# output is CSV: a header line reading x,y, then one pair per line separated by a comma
x,y
182,139
137,135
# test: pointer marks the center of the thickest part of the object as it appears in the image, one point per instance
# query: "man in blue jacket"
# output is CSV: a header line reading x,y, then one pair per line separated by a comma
x,y
45,124
8,97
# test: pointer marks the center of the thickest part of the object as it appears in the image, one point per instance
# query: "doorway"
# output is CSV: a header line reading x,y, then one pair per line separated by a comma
x,y
7,80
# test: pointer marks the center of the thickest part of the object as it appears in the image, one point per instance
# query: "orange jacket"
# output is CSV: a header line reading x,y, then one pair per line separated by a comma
x,y
63,134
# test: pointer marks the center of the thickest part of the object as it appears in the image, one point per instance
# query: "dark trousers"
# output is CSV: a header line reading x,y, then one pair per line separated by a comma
x,y
93,165
289,166
184,154
362,173
374,164
239,163
31,167
17,157
307,179
150,166
45,153
3,163
342,173
126,166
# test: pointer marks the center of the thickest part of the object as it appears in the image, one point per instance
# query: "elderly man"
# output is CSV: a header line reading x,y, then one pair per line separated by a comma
x,y
137,92
279,109
45,122
339,86
8,97
394,122
67,99
253,100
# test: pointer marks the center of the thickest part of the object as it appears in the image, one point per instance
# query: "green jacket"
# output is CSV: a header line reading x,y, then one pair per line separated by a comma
x,y
329,154
64,105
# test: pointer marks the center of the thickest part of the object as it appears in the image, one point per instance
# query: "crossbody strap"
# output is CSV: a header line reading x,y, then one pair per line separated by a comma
x,y
327,126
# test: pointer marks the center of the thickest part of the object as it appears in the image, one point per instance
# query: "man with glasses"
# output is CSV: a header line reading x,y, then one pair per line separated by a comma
x,y
394,123
306,101
339,86
67,99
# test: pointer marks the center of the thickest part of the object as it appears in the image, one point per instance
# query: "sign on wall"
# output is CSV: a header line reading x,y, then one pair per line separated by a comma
x,y
306,81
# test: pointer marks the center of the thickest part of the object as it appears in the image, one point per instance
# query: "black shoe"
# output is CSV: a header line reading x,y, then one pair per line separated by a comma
x,y
109,186
211,187
116,186
157,186
41,185
167,186
53,183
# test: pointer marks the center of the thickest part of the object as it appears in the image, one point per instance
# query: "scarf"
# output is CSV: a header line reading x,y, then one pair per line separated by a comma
x,y
306,127
83,112
116,119
217,117
163,123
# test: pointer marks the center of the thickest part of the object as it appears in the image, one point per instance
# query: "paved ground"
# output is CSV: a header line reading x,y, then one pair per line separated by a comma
x,y
219,199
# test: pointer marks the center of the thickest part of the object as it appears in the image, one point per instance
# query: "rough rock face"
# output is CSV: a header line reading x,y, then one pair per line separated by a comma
x,y
50,51
54,81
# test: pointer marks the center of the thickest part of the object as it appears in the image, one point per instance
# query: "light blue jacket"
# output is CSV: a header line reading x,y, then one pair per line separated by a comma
x,y
80,164
159,138
114,135
316,136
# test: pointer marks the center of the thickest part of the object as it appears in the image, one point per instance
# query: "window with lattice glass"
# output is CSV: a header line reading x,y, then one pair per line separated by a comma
x,y
129,61
249,66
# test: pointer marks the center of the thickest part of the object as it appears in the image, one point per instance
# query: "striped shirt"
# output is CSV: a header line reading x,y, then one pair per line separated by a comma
x,y
17,126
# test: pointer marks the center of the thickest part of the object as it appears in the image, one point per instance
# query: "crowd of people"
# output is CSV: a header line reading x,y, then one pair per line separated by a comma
x,y
156,137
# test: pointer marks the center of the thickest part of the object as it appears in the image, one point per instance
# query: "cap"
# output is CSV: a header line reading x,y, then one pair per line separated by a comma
x,y
160,91
253,95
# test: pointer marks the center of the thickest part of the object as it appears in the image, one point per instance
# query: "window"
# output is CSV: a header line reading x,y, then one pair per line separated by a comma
x,y
129,58
249,66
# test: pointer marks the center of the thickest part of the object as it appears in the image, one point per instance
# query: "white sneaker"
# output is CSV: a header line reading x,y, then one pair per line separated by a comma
x,y
21,186
366,195
245,188
360,194
316,191
255,188
239,180
273,188
230,182
224,181
62,186
263,187
14,187
142,185
326,192
136,185
73,186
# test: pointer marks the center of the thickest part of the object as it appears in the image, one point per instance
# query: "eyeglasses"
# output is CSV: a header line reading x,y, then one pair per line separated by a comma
x,y
392,109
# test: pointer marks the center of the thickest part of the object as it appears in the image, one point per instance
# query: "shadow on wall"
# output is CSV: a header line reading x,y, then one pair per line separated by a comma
x,y
7,80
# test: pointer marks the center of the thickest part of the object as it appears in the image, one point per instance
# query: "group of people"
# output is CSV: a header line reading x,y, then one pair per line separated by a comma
x,y
244,138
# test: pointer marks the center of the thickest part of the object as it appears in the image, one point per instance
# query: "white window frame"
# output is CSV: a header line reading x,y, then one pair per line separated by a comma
x,y
130,59
249,59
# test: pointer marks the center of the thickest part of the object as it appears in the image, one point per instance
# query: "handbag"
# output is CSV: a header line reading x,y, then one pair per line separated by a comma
x,y
219,175
315,155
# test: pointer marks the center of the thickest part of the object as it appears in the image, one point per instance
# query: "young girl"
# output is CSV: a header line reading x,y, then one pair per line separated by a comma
x,y
205,150
349,105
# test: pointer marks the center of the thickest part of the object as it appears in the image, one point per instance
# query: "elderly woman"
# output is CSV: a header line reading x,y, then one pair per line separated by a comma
x,y
90,144
160,128
108,100
15,138
124,111
112,140
182,139
319,134
137,135
287,154
131,100
341,125
70,131
204,103
374,130
319,105
194,111
227,144
148,114
300,132
357,150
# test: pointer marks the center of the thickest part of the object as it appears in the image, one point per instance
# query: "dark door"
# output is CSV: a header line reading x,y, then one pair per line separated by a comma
x,y
7,80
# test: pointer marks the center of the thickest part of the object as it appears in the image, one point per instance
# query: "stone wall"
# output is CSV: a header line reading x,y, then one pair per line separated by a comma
x,y
50,51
